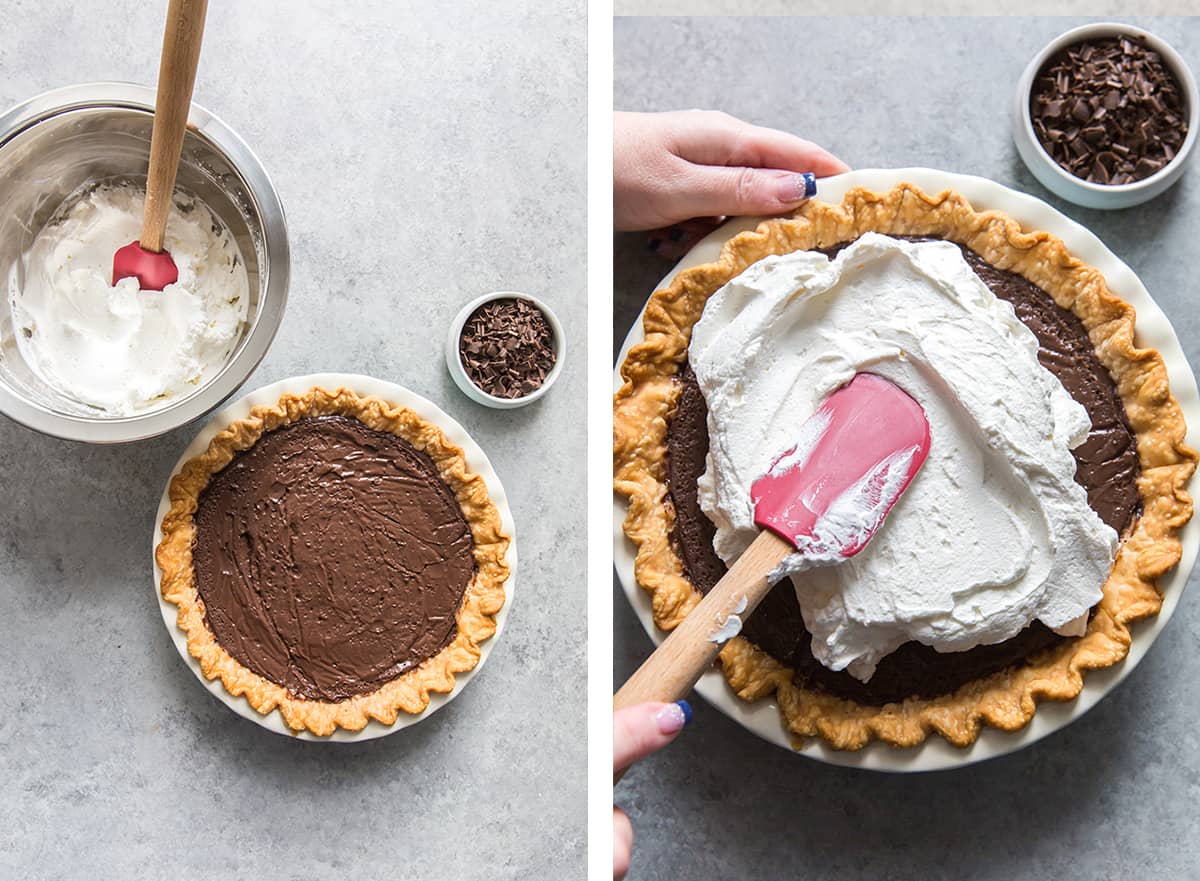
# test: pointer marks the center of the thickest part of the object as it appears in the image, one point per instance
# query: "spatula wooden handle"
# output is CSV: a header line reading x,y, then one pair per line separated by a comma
x,y
673,669
176,77
670,673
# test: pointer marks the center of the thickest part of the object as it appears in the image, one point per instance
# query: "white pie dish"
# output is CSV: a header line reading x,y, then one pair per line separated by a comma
x,y
1153,330
477,461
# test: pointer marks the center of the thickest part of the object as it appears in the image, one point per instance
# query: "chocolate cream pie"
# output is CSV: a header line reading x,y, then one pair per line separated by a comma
x,y
332,556
1132,466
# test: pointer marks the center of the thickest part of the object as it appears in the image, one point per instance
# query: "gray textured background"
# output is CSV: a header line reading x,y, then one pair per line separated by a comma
x,y
423,155
1114,795
898,7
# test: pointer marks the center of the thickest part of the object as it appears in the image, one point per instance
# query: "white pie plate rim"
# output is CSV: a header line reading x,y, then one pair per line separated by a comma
x,y
477,461
1152,330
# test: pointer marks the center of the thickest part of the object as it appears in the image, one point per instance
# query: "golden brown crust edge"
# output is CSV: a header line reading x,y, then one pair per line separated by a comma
x,y
1007,699
409,692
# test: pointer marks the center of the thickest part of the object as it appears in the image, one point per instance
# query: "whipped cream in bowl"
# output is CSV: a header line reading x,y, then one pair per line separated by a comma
x,y
117,348
992,534
83,359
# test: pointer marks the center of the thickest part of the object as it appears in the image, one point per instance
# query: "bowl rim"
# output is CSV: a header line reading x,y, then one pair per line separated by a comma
x,y
1178,66
275,268
459,373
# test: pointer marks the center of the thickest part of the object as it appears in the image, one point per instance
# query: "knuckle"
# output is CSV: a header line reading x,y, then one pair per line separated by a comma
x,y
739,144
744,183
712,119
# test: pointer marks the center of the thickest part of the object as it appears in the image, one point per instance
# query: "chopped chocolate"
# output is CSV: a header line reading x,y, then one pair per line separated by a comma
x,y
1109,111
507,348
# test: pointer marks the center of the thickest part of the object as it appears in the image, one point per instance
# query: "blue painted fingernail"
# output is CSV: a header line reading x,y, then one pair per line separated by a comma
x,y
686,709
795,187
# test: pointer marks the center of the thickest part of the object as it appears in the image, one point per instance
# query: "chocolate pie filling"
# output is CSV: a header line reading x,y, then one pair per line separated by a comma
x,y
331,558
1107,467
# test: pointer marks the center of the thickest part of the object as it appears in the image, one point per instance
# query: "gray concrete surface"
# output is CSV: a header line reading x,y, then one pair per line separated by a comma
x,y
424,154
898,7
1114,795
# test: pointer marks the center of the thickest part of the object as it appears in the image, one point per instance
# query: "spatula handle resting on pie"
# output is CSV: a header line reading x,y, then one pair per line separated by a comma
x,y
824,498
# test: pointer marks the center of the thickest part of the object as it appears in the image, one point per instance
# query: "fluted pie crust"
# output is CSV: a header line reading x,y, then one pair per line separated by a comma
x,y
409,692
1007,699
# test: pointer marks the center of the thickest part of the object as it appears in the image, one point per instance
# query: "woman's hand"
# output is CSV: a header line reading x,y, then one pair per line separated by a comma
x,y
670,167
638,731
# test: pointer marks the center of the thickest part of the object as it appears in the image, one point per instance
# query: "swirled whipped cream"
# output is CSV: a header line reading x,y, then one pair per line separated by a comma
x,y
993,532
116,347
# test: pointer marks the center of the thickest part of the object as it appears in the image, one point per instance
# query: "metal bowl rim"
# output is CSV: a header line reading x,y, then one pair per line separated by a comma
x,y
276,268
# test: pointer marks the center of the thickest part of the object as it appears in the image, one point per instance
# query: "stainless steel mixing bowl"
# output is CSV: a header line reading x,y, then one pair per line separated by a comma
x,y
56,142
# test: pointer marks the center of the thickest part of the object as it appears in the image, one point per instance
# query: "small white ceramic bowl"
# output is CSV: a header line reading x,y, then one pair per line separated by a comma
x,y
1060,181
459,374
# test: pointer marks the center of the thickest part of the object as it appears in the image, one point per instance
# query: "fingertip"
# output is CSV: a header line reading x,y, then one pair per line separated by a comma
x,y
831,166
622,843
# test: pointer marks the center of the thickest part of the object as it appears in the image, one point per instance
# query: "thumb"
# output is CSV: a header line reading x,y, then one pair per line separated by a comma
x,y
712,190
644,728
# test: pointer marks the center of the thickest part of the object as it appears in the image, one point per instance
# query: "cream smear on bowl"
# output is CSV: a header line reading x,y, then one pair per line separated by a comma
x,y
993,532
116,347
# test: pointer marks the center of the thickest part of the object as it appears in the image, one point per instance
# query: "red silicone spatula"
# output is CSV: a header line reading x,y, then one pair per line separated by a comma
x,y
825,497
145,259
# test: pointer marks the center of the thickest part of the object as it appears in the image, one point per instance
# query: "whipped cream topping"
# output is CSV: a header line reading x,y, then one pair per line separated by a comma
x,y
729,624
992,533
118,348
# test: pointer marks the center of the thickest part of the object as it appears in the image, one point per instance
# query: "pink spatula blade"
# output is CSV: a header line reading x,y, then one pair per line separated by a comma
x,y
154,270
858,453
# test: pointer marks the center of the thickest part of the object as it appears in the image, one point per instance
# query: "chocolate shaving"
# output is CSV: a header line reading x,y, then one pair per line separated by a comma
x,y
507,348
1109,111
